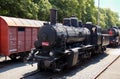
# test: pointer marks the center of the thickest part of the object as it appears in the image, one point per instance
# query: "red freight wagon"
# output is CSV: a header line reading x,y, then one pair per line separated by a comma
x,y
17,35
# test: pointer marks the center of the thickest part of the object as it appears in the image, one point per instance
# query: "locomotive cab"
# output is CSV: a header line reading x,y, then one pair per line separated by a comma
x,y
95,33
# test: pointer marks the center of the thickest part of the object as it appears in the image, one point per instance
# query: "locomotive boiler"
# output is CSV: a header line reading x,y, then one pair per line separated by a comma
x,y
62,46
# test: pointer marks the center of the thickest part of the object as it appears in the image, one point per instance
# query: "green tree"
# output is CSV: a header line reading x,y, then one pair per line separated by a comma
x,y
44,10
28,9
18,8
66,8
108,18
85,10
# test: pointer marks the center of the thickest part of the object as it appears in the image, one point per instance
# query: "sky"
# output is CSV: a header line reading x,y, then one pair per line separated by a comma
x,y
114,5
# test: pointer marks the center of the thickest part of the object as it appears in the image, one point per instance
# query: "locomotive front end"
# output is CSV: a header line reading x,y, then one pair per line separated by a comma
x,y
46,37
115,36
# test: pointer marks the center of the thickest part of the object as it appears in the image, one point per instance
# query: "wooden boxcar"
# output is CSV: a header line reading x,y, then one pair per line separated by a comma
x,y
17,36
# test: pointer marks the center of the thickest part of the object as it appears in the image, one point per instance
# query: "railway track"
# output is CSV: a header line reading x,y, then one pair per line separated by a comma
x,y
31,74
102,71
5,63
45,75
2,66
9,63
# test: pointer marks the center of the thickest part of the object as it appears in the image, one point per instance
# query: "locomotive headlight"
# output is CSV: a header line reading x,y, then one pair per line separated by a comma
x,y
51,53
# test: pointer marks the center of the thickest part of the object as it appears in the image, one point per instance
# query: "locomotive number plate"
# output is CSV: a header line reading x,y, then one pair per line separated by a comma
x,y
45,43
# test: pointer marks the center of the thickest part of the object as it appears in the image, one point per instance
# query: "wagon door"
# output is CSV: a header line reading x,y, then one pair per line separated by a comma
x,y
34,35
21,38
28,39
12,40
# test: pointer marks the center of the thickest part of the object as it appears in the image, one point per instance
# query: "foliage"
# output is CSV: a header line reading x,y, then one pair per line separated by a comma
x,y
18,8
44,9
66,8
108,18
85,10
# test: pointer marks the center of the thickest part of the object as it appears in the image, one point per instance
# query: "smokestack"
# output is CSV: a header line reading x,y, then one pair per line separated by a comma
x,y
53,16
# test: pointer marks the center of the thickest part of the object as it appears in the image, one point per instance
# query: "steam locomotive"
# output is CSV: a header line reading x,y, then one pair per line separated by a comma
x,y
62,46
114,39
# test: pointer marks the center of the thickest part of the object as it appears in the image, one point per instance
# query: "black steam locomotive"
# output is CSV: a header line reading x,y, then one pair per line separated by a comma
x,y
64,45
114,39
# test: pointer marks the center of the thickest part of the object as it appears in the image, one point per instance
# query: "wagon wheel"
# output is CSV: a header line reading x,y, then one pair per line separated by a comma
x,y
13,57
23,56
